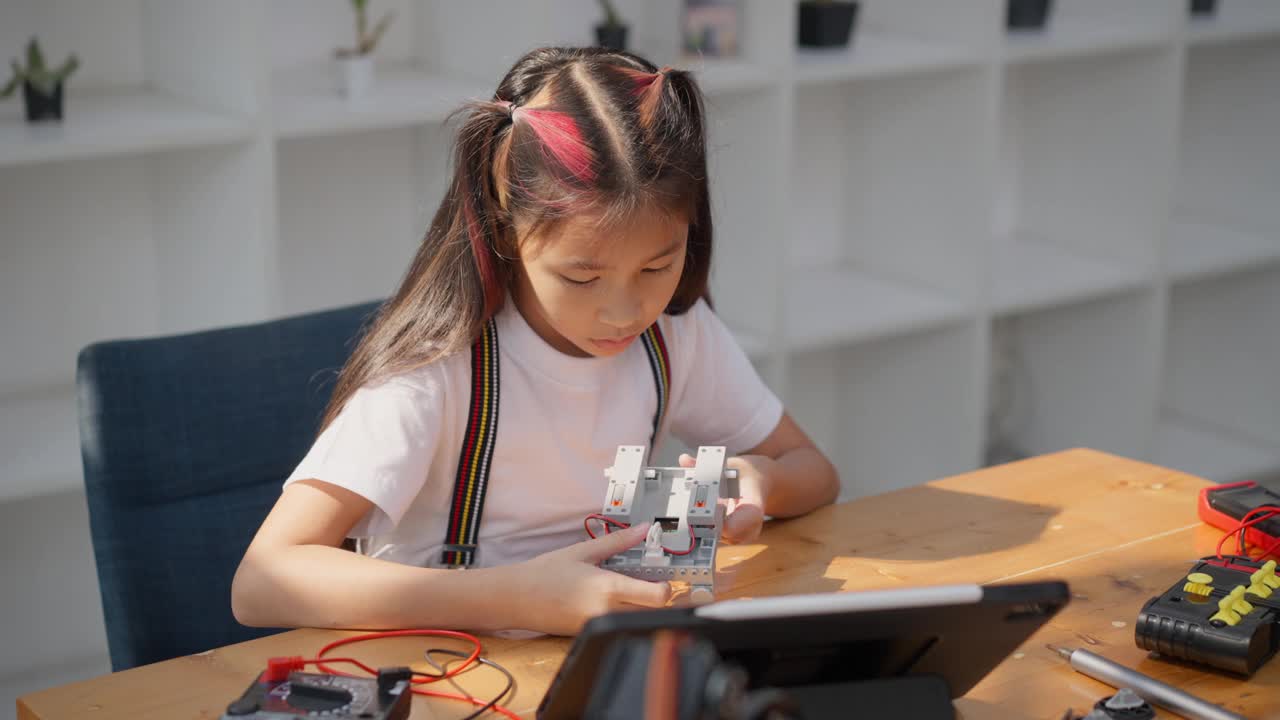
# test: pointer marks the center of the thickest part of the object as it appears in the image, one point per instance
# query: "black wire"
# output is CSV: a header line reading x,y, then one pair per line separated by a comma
x,y
1240,544
1228,557
508,691
511,681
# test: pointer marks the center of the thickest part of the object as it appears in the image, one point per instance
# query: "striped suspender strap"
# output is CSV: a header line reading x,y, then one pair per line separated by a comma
x,y
472,478
660,363
482,427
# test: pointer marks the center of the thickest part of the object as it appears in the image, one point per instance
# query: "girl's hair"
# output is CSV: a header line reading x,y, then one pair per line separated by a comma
x,y
570,132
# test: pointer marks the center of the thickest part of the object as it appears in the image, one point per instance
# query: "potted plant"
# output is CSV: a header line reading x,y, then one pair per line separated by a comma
x,y
1204,7
1028,14
826,23
612,33
41,87
355,64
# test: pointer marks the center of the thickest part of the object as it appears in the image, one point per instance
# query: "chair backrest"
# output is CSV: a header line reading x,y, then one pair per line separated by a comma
x,y
186,441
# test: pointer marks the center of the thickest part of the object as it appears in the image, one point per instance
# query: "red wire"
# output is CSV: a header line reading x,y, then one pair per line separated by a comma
x,y
321,661
470,660
1231,566
466,663
1242,525
1245,523
693,542
607,521
1271,511
1233,532
1271,549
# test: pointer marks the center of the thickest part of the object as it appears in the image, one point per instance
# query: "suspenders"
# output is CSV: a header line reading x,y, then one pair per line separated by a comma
x,y
477,450
472,477
656,348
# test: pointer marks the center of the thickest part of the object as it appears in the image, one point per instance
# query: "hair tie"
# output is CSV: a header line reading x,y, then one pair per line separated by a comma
x,y
665,70
509,107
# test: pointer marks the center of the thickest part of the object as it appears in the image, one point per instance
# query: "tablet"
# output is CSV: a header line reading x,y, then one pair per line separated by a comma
x,y
957,633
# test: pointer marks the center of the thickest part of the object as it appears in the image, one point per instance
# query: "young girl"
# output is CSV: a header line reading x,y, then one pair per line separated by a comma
x,y
561,289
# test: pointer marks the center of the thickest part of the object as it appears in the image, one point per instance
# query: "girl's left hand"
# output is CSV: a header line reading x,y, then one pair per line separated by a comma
x,y
745,515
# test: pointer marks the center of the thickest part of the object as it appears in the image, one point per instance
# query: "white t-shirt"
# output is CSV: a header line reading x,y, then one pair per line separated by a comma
x,y
560,421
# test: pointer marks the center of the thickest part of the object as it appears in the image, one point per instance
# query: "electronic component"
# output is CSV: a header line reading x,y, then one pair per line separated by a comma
x,y
1228,506
281,692
1225,613
683,506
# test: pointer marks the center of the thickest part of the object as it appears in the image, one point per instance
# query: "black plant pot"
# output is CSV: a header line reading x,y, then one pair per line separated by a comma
x,y
1028,14
1204,7
41,107
826,24
613,37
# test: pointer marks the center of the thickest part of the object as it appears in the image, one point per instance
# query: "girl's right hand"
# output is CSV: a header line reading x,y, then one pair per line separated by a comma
x,y
560,591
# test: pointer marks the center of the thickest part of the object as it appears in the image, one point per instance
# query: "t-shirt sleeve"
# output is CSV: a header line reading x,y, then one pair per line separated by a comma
x,y
721,400
380,446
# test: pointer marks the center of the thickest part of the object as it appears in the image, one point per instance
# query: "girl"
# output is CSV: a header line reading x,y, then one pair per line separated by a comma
x,y
561,288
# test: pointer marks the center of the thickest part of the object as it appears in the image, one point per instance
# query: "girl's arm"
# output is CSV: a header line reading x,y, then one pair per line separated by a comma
x,y
295,574
796,476
784,476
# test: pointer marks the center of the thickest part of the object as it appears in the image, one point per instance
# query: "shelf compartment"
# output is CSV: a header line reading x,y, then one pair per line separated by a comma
x,y
307,103
39,443
1053,134
100,123
1229,159
1076,38
1222,351
1235,20
1080,375
348,237
726,76
893,412
894,177
1210,453
878,54
1198,250
831,307
1029,275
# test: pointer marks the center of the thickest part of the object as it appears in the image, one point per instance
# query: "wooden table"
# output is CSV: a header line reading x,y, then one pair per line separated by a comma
x,y
1117,530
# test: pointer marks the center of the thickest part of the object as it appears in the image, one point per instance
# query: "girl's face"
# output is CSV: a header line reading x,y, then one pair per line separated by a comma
x,y
591,293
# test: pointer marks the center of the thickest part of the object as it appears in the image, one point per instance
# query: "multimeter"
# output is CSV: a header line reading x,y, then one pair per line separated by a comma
x,y
1223,506
281,692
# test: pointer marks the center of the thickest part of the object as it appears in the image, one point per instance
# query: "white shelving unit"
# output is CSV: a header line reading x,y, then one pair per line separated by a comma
x,y
876,54
1198,250
1236,21
1210,451
1090,37
305,103
119,123
1030,275
943,238
834,306
1219,395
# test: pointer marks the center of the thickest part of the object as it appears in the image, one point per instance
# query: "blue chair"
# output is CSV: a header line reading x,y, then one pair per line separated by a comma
x,y
185,441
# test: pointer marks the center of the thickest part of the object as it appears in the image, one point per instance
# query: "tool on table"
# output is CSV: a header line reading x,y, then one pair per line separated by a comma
x,y
1147,687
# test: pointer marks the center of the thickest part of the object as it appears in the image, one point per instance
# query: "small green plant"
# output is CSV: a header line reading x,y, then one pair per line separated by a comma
x,y
611,18
366,40
41,78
